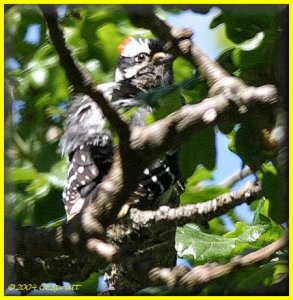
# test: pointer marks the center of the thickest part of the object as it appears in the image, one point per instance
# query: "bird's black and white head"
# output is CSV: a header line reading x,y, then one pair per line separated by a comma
x,y
144,63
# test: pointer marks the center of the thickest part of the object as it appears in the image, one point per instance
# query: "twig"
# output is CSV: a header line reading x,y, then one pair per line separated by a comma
x,y
237,176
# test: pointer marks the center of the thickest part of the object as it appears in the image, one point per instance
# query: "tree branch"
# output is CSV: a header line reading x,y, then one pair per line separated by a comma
x,y
68,239
153,220
174,129
58,269
201,275
199,213
236,177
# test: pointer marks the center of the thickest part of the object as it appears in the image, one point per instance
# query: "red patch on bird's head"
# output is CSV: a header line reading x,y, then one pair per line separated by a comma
x,y
125,42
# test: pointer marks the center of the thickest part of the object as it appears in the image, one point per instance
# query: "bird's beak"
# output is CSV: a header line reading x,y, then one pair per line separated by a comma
x,y
160,58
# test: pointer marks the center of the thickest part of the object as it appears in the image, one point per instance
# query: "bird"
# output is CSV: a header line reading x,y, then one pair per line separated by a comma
x,y
143,65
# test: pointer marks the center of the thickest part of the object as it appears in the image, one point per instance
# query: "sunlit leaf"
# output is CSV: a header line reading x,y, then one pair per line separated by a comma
x,y
90,285
22,174
182,69
199,247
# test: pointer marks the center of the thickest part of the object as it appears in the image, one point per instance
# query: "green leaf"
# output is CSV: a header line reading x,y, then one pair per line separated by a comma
x,y
200,174
196,192
243,24
257,52
199,247
89,286
39,77
256,32
20,207
262,232
41,191
110,50
22,174
48,208
46,54
56,181
56,176
196,94
226,128
249,144
246,281
262,216
199,193
226,61
58,92
38,182
217,226
198,149
182,69
166,100
250,237
273,190
60,168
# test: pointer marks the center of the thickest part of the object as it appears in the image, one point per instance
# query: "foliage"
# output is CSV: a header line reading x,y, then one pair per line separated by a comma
x,y
200,247
40,95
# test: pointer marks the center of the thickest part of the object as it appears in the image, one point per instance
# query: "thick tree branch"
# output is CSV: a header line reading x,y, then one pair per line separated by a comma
x,y
201,275
88,262
199,213
178,126
74,239
58,269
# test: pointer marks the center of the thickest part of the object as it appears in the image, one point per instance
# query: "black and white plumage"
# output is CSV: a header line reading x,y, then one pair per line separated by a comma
x,y
142,65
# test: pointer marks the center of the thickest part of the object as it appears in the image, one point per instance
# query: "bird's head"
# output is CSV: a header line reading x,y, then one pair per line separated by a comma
x,y
144,63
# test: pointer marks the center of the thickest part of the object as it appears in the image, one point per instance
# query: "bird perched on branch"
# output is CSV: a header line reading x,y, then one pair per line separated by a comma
x,y
143,65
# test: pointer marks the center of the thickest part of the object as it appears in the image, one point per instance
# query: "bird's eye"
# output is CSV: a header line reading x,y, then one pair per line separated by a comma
x,y
140,57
